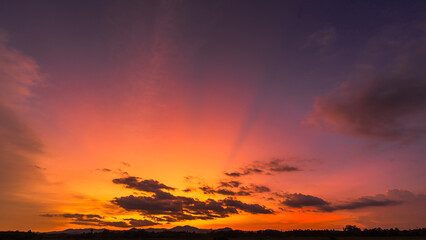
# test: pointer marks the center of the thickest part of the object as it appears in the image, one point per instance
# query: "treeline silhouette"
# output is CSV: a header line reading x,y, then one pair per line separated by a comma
x,y
348,231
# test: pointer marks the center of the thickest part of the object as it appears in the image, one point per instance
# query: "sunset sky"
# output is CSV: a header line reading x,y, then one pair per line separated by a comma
x,y
243,114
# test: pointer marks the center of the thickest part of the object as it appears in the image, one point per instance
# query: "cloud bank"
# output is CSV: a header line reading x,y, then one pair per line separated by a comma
x,y
391,198
387,109
165,207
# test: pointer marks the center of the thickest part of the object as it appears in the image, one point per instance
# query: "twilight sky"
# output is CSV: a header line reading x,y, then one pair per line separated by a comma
x,y
242,114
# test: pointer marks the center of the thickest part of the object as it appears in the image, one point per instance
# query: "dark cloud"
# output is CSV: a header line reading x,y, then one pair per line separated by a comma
x,y
360,203
243,190
233,174
243,193
388,109
104,170
277,165
88,219
147,185
260,188
271,167
97,220
165,207
226,192
141,223
74,215
230,184
244,172
123,173
298,200
210,190
188,178
126,164
410,212
149,205
207,190
183,208
174,209
250,208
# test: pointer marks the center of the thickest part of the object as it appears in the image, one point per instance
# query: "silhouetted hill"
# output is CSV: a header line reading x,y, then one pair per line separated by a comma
x,y
78,231
223,229
190,229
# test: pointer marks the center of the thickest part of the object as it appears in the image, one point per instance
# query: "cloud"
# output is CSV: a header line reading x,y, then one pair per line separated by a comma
x,y
207,190
19,148
147,185
260,188
125,163
410,212
97,220
226,192
272,167
176,208
221,191
384,108
250,208
246,171
360,203
230,184
391,198
385,99
166,207
20,145
104,170
141,223
179,208
277,165
242,191
74,215
322,37
298,200
18,73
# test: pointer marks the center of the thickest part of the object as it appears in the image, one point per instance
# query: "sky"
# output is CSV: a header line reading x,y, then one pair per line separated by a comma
x,y
244,114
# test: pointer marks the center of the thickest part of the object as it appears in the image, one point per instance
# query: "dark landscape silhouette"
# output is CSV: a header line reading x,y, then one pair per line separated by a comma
x,y
188,232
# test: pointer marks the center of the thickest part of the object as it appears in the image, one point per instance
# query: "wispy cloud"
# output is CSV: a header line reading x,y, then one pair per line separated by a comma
x,y
322,37
272,167
125,163
18,73
20,145
231,190
97,220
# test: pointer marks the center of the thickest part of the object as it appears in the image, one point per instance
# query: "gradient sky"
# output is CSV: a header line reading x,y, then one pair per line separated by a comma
x,y
243,114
